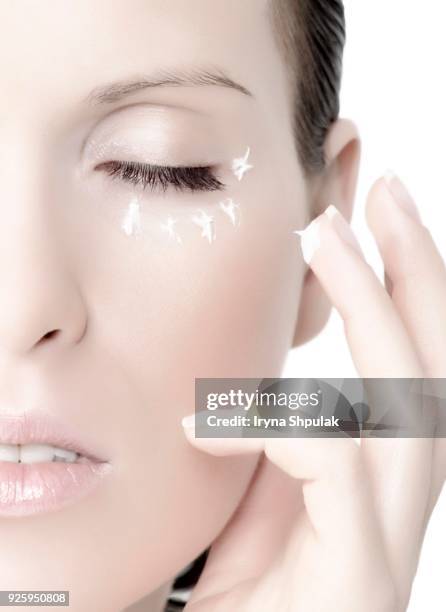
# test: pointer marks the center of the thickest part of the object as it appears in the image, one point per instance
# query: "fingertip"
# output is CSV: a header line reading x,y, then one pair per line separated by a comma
x,y
225,447
217,446
188,422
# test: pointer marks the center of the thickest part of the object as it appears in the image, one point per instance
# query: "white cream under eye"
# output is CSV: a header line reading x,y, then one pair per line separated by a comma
x,y
169,226
231,210
169,168
216,212
240,165
219,215
131,222
228,209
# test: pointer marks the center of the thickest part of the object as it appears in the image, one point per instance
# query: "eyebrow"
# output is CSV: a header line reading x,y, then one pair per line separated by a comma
x,y
114,92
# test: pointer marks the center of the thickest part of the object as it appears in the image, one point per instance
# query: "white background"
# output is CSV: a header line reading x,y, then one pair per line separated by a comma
x,y
394,90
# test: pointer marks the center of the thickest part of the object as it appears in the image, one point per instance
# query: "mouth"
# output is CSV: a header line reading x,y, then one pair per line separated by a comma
x,y
44,466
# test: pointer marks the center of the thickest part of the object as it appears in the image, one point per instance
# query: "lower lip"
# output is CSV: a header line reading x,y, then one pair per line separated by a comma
x,y
36,488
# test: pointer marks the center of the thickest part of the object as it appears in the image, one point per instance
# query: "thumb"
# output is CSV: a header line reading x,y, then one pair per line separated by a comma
x,y
335,492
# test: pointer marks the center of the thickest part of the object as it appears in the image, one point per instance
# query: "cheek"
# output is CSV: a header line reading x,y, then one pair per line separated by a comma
x,y
237,301
208,283
164,312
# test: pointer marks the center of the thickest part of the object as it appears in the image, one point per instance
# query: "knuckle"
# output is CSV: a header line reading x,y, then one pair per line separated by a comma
x,y
406,251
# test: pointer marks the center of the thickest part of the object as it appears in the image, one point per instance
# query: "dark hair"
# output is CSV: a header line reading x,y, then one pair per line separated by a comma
x,y
311,36
186,580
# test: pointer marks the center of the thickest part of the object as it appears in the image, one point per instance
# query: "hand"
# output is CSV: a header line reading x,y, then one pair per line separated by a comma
x,y
327,525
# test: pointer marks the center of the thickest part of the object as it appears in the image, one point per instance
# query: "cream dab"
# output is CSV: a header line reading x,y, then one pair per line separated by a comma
x,y
240,165
309,240
131,224
169,228
207,225
230,208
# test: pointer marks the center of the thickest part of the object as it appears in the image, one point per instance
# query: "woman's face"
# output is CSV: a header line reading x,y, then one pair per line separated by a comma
x,y
149,287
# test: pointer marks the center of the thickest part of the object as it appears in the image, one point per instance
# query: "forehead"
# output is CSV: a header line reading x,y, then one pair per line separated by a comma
x,y
61,50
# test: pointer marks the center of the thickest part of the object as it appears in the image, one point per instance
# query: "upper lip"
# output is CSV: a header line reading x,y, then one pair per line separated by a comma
x,y
43,428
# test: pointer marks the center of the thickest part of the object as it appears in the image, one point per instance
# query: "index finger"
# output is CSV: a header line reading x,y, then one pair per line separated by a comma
x,y
381,347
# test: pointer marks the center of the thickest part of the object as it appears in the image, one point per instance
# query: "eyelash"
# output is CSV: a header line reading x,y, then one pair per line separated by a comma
x,y
182,178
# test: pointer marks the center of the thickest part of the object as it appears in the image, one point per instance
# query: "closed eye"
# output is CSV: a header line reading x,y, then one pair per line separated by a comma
x,y
181,178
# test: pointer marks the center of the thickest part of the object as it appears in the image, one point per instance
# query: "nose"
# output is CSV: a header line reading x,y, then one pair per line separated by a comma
x,y
40,300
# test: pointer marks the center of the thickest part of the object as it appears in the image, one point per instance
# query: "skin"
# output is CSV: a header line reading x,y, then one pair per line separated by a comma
x,y
140,318
361,510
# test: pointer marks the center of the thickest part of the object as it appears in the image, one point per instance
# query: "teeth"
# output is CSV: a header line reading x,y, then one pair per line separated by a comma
x,y
9,452
35,453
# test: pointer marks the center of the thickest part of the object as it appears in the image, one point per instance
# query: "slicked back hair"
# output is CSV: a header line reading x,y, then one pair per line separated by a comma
x,y
311,35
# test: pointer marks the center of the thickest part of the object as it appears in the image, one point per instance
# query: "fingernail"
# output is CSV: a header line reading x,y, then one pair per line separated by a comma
x,y
188,422
310,236
342,228
401,195
309,240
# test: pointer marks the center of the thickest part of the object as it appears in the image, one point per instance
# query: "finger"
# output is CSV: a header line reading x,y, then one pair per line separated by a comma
x,y
438,477
400,475
337,499
381,347
377,338
415,268
417,275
